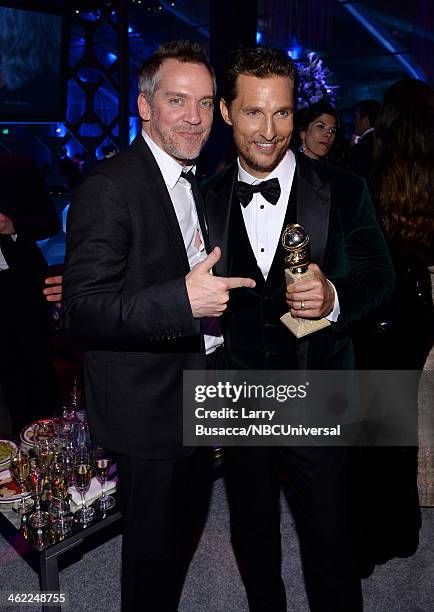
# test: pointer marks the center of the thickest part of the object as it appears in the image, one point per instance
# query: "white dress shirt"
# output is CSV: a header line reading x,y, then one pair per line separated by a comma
x,y
3,262
365,133
185,209
264,221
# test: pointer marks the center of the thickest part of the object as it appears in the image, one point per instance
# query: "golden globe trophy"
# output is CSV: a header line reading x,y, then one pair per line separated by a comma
x,y
295,240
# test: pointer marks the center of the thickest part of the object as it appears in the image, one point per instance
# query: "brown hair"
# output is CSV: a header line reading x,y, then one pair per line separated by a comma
x,y
260,62
404,178
181,50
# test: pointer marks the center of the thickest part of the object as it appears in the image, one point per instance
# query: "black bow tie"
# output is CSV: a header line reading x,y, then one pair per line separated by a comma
x,y
270,190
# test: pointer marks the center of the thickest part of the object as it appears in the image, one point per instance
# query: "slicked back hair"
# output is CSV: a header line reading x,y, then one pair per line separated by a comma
x,y
180,50
260,62
370,109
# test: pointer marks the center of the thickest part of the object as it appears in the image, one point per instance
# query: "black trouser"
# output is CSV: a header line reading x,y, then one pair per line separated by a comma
x,y
315,485
165,505
253,489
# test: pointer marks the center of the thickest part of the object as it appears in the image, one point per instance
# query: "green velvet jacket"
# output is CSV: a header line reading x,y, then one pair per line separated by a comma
x,y
346,242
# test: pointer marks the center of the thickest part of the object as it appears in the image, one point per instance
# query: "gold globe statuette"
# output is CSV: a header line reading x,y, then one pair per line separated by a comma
x,y
295,240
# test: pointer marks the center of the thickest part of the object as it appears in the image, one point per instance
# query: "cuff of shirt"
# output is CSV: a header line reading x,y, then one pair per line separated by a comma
x,y
333,316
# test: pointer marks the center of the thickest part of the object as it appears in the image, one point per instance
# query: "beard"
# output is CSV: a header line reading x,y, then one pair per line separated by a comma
x,y
181,150
256,161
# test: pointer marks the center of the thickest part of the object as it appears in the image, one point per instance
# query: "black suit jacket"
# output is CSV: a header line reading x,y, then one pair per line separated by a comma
x,y
26,201
361,159
125,294
346,242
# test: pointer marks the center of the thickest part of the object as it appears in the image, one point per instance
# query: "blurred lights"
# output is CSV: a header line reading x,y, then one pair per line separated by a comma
x,y
294,53
259,37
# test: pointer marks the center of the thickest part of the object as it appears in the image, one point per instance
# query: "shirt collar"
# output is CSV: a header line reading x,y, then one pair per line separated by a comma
x,y
284,171
371,129
169,167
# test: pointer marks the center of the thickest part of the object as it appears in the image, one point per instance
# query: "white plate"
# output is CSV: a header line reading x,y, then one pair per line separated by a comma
x,y
27,433
9,489
4,463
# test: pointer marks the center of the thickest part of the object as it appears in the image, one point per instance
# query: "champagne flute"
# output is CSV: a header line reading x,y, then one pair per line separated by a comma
x,y
82,477
59,482
20,465
42,430
36,481
45,451
102,461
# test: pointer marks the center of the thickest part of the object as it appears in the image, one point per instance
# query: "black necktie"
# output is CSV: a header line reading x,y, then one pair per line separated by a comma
x,y
270,190
200,209
210,326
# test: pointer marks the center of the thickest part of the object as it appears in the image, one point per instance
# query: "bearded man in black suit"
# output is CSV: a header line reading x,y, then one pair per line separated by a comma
x,y
353,273
138,288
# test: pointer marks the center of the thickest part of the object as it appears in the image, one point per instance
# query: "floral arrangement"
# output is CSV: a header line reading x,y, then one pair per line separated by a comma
x,y
312,83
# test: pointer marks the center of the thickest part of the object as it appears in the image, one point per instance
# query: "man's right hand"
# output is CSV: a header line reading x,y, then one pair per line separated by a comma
x,y
209,294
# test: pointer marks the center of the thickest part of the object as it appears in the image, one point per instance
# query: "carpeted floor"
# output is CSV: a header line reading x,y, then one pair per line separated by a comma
x,y
213,583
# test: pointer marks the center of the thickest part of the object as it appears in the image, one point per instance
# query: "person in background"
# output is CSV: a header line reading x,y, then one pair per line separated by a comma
x,y
27,214
361,155
399,334
315,130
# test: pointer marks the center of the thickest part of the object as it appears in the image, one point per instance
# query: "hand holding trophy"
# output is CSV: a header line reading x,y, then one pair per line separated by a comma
x,y
295,240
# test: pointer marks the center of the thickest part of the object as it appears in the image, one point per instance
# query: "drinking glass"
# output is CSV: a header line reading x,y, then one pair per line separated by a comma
x,y
82,478
59,483
45,451
20,465
42,430
102,461
36,483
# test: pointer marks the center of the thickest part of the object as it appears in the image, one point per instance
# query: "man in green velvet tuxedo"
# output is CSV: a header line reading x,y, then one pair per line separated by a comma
x,y
248,205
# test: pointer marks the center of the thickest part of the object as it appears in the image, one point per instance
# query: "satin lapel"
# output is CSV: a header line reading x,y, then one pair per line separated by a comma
x,y
313,207
313,212
158,190
240,249
218,201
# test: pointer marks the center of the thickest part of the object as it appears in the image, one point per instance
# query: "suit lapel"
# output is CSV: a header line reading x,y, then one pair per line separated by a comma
x,y
313,212
158,190
218,204
313,207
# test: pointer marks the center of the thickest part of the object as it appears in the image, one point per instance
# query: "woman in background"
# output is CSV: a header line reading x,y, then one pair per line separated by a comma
x,y
400,334
315,130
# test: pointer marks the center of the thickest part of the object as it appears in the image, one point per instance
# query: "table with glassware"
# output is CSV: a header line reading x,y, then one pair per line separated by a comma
x,y
55,491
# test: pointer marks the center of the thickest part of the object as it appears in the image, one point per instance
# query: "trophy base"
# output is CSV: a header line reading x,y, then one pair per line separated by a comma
x,y
298,326
302,327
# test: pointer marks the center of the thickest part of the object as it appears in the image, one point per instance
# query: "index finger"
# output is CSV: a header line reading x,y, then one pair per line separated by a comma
x,y
53,280
235,282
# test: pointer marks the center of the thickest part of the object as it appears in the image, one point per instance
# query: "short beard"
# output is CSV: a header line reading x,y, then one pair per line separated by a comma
x,y
254,164
179,152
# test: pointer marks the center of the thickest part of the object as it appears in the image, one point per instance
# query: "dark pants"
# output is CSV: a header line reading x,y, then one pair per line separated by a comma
x,y
315,484
253,489
165,505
